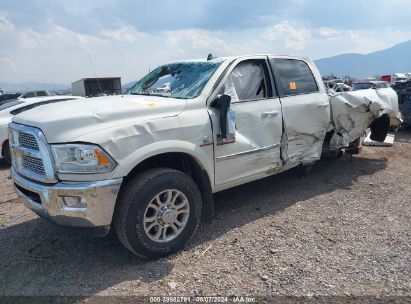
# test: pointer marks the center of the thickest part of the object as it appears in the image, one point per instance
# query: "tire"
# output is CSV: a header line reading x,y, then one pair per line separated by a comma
x,y
379,128
6,153
138,204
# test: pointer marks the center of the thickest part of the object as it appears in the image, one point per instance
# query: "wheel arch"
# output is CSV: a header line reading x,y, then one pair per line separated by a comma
x,y
184,162
4,146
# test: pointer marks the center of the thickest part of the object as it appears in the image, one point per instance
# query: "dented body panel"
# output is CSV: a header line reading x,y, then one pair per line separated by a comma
x,y
306,121
306,116
257,142
254,150
353,112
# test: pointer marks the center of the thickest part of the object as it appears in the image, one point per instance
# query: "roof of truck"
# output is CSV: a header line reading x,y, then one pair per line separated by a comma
x,y
231,58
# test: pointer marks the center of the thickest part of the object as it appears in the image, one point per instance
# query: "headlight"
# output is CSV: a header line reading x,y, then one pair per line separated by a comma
x,y
79,158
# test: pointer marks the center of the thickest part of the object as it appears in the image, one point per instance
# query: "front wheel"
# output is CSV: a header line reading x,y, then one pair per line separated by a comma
x,y
158,212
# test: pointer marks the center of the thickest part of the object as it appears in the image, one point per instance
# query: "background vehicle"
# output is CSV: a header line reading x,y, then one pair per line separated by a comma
x,y
404,100
8,96
395,78
12,107
165,88
337,86
35,94
370,85
147,164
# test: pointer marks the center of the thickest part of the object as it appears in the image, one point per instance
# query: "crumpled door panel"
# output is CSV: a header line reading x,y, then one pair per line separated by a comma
x,y
306,121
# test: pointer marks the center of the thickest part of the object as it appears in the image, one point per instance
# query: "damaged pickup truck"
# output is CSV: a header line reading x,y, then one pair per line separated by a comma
x,y
147,163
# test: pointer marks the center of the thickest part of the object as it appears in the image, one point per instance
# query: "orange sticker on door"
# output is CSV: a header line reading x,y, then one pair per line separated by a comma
x,y
293,86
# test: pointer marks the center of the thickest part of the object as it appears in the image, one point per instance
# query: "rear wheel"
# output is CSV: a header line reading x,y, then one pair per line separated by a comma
x,y
158,212
379,128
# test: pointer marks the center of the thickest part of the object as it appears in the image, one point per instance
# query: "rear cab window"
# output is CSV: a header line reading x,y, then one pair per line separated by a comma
x,y
293,76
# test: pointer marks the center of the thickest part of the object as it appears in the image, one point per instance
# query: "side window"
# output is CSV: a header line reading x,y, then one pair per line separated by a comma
x,y
295,77
249,80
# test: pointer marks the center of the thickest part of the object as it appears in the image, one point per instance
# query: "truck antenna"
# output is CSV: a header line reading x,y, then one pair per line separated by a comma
x,y
95,74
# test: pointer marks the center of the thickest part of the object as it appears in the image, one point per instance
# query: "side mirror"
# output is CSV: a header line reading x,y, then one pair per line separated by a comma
x,y
223,104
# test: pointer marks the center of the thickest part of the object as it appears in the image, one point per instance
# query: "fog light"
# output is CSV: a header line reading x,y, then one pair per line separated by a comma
x,y
73,201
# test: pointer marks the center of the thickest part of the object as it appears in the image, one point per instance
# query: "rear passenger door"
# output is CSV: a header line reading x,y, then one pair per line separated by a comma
x,y
305,108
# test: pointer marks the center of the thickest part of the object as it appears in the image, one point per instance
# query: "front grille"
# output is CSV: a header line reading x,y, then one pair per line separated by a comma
x,y
28,141
34,164
30,154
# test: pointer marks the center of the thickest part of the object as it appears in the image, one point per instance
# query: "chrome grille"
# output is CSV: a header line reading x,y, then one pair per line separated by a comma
x,y
34,164
28,141
30,153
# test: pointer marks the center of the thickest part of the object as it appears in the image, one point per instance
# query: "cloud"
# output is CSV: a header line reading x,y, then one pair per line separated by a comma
x,y
55,37
200,40
58,50
330,33
6,25
7,61
294,38
125,33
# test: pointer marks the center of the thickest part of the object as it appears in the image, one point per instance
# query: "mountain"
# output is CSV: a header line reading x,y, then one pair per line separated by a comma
x,y
34,86
126,86
388,61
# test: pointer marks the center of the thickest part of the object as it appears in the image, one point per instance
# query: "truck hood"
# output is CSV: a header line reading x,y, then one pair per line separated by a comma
x,y
65,121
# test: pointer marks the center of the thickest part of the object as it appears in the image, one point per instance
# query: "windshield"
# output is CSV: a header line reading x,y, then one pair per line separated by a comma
x,y
176,80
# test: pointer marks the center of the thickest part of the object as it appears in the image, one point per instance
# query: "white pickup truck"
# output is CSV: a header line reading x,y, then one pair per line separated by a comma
x,y
147,163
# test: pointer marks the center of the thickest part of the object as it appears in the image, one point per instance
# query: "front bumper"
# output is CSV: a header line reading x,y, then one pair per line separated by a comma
x,y
94,201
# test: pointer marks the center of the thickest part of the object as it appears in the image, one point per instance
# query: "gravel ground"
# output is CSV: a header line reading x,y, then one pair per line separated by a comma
x,y
342,230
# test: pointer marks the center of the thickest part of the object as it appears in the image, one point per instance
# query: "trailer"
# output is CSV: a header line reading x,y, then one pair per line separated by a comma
x,y
91,87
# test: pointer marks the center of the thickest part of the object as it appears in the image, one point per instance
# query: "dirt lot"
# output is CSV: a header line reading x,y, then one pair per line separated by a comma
x,y
345,229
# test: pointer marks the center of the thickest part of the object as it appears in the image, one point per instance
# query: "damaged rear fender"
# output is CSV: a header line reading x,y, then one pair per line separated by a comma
x,y
353,112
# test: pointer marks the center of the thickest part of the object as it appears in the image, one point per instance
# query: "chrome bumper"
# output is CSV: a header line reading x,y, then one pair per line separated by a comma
x,y
93,206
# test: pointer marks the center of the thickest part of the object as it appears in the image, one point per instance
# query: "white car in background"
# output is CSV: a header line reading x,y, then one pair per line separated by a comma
x,y
371,85
165,88
12,107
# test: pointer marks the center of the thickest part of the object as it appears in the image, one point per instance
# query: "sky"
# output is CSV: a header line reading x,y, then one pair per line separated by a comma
x,y
60,41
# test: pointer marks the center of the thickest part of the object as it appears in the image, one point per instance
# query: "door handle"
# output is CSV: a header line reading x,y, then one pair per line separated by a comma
x,y
269,114
325,105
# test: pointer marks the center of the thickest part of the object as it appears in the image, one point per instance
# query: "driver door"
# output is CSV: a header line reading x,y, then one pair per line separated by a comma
x,y
254,149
